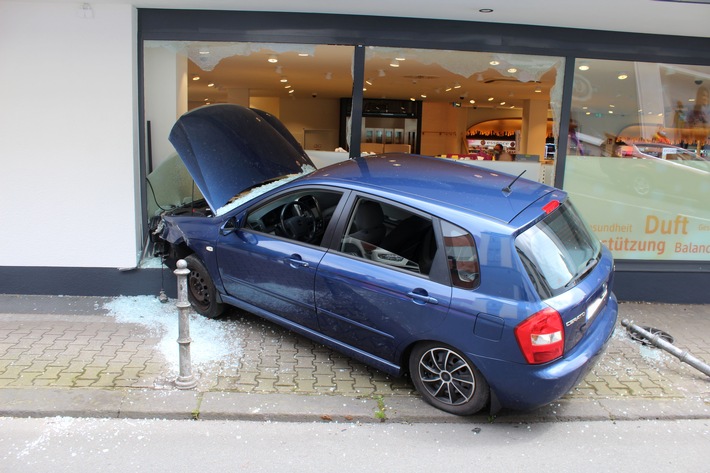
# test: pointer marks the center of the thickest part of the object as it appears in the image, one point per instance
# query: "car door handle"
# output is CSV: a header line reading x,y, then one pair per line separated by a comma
x,y
295,261
422,297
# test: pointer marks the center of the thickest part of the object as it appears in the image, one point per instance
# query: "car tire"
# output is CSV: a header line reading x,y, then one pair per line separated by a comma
x,y
448,380
201,291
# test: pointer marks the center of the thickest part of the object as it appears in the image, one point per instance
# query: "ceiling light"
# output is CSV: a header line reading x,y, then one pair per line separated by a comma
x,y
303,54
448,89
211,84
195,77
273,59
502,103
284,79
538,90
457,86
491,99
512,70
494,63
485,10
400,59
423,96
412,99
207,100
472,101
394,63
622,76
85,11
364,89
288,86
204,52
583,67
368,81
292,91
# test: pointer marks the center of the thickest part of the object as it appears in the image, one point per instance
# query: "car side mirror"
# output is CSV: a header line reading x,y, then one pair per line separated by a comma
x,y
231,225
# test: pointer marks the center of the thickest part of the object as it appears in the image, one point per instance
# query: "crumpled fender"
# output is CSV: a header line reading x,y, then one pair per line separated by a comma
x,y
171,232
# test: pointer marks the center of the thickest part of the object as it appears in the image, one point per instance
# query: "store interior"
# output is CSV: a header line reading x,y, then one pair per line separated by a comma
x,y
441,103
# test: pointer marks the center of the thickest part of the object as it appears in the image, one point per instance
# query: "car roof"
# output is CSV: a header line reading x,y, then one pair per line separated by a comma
x,y
439,181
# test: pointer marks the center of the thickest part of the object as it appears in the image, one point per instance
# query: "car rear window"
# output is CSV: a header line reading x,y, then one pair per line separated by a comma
x,y
558,251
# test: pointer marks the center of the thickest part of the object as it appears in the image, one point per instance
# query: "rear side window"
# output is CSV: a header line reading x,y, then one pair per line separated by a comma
x,y
390,235
461,256
559,251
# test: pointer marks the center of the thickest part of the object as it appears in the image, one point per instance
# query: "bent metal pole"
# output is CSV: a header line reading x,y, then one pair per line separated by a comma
x,y
185,380
683,356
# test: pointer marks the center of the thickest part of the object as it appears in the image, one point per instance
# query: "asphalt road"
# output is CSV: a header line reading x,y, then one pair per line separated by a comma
x,y
62,444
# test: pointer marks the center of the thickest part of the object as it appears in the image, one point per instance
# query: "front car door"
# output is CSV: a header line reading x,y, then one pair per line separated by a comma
x,y
271,261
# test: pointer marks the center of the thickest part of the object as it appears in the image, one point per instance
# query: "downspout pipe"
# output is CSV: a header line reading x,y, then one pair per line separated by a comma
x,y
683,356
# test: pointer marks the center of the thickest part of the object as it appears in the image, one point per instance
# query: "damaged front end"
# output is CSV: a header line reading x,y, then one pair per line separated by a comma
x,y
228,155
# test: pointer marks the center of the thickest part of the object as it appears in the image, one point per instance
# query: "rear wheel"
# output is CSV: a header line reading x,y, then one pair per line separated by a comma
x,y
448,380
201,291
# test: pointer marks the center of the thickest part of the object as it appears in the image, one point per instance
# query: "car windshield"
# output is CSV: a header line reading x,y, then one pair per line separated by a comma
x,y
558,251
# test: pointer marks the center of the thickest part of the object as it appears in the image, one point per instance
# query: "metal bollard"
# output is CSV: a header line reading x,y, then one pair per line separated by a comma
x,y
185,380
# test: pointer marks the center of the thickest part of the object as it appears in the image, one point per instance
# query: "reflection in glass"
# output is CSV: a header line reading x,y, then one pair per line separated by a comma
x,y
637,164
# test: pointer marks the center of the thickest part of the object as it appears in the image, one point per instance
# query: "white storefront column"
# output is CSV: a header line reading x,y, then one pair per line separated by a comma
x,y
534,128
165,74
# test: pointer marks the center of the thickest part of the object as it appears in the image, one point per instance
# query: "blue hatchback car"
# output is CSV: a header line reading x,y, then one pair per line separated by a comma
x,y
487,289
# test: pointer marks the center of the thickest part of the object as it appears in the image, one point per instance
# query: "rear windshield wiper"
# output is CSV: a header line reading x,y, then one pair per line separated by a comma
x,y
588,266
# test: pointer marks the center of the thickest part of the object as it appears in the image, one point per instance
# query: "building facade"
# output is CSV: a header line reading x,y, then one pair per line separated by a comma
x,y
623,113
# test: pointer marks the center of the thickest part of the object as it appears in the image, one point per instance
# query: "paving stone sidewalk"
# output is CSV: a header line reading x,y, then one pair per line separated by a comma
x,y
58,354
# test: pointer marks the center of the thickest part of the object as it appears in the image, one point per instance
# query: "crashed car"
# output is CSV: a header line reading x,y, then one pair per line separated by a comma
x,y
487,289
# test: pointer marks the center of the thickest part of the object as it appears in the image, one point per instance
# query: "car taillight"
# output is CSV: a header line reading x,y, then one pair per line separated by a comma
x,y
541,337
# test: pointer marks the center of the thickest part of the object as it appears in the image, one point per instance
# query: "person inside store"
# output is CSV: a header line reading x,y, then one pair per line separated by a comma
x,y
697,119
500,154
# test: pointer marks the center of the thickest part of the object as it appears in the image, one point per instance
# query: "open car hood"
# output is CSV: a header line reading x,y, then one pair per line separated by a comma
x,y
229,148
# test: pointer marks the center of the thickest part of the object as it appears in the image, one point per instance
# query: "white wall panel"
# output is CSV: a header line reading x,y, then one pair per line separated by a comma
x,y
68,135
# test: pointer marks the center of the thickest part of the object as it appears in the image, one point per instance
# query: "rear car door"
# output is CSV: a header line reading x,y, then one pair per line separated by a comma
x,y
382,285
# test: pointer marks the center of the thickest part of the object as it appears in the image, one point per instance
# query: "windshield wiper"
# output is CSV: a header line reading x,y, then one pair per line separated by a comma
x,y
588,266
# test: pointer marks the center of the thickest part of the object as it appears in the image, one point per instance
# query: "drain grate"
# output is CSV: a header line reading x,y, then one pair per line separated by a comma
x,y
653,331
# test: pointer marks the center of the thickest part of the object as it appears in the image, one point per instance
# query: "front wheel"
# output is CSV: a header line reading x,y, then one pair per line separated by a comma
x,y
447,380
201,291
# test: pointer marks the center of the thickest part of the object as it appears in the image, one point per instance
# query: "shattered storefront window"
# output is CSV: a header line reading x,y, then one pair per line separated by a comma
x,y
509,99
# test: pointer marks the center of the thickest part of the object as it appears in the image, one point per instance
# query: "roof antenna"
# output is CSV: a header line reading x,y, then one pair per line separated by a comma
x,y
506,189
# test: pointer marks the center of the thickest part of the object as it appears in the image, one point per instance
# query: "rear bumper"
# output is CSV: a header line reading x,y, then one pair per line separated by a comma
x,y
525,387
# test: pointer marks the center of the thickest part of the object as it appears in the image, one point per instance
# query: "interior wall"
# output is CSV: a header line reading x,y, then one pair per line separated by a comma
x,y
443,129
270,105
68,155
318,116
